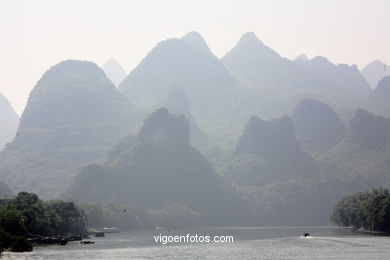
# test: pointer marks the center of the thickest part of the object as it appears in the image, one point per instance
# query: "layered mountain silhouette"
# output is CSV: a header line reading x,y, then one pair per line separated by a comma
x,y
178,103
9,121
73,116
362,156
259,67
156,168
250,79
317,123
195,40
114,71
276,148
374,72
81,137
185,62
347,77
271,170
378,102
368,131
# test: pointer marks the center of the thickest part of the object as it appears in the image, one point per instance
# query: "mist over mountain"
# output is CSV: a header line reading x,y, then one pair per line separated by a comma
x,y
178,62
250,79
259,67
154,170
195,40
361,157
177,103
378,101
73,116
215,98
347,77
316,123
271,171
275,143
5,191
301,58
114,71
368,131
9,121
82,138
374,72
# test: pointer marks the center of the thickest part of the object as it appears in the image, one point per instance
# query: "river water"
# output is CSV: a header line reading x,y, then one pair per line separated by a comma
x,y
249,243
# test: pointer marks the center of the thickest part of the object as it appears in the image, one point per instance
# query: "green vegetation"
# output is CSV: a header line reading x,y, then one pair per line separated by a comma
x,y
5,191
132,218
156,169
73,116
26,215
174,215
110,215
369,211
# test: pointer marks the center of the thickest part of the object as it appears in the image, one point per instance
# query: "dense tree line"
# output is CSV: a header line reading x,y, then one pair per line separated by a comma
x,y
369,211
110,215
26,215
127,217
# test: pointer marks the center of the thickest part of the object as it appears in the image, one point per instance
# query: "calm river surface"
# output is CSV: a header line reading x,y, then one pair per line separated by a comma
x,y
249,243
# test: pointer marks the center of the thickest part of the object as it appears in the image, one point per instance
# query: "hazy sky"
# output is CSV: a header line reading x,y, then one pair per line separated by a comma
x,y
38,34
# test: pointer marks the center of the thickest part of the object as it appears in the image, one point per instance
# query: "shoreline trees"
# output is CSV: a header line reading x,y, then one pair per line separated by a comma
x,y
368,211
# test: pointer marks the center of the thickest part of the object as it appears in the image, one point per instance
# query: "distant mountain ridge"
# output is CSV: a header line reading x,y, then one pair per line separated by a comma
x,y
375,71
182,62
114,71
347,77
378,101
260,68
195,40
9,121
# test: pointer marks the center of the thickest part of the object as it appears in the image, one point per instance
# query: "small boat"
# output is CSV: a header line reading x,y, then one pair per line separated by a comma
x,y
306,235
87,242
